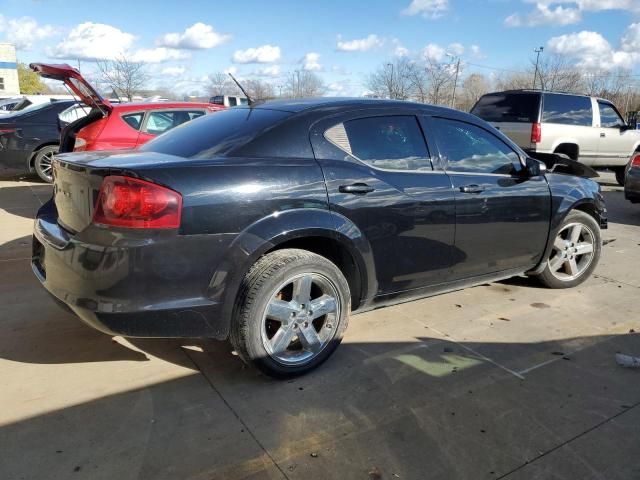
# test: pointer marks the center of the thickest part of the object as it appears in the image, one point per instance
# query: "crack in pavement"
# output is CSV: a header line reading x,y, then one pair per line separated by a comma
x,y
567,442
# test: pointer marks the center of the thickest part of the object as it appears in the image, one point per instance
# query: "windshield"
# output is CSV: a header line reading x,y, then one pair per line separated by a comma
x,y
215,134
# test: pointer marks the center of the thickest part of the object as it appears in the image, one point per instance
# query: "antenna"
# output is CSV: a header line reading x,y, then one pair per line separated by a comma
x,y
240,87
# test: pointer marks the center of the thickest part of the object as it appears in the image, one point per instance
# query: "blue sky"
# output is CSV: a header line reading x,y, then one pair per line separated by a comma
x,y
340,40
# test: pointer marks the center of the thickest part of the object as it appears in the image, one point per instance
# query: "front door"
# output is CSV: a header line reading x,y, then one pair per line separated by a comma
x,y
379,175
502,214
616,144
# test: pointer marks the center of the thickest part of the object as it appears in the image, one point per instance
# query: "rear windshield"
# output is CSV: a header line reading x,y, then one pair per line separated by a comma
x,y
508,107
216,134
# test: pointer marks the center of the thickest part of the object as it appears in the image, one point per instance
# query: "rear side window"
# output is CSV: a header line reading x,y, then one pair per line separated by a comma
x,y
567,110
609,116
389,143
216,134
508,107
232,101
470,149
160,121
134,120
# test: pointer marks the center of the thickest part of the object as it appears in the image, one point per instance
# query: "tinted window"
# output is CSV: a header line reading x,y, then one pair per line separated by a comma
x,y
160,121
1,83
609,115
567,110
134,120
232,101
467,148
391,143
508,107
216,134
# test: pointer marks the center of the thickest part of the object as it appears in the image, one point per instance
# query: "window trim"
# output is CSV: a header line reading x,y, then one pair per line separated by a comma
x,y
431,119
382,114
609,104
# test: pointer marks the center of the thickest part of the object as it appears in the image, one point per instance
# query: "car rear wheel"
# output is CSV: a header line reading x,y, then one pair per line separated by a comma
x,y
620,174
43,162
575,253
291,312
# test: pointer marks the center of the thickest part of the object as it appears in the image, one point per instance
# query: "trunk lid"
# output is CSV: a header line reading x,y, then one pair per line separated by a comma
x,y
77,179
75,81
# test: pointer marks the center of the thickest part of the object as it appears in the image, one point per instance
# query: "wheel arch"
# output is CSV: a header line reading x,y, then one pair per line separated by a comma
x,y
569,148
35,151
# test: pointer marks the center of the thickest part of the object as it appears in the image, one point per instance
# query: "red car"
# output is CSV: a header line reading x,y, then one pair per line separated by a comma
x,y
119,126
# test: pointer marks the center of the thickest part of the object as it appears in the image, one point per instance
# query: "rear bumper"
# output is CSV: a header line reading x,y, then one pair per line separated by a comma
x,y
632,185
154,288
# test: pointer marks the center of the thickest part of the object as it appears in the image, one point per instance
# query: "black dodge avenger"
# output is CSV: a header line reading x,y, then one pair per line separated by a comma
x,y
269,224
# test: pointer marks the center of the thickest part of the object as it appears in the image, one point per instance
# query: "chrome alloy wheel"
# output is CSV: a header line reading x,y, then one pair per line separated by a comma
x,y
300,319
573,252
44,165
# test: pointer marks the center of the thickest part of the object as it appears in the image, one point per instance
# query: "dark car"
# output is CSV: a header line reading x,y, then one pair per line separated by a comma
x,y
29,138
632,180
268,225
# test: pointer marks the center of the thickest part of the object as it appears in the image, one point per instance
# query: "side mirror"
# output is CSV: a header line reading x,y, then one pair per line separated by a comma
x,y
535,168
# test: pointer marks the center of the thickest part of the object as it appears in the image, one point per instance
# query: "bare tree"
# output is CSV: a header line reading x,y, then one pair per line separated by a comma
x,y
473,87
259,89
557,73
395,80
123,76
219,83
302,83
440,78
514,81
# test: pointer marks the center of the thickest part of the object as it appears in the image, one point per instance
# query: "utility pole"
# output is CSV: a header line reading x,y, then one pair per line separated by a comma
x,y
455,84
391,86
538,51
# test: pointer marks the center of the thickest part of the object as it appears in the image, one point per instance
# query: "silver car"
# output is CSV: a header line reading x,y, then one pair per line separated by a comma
x,y
587,129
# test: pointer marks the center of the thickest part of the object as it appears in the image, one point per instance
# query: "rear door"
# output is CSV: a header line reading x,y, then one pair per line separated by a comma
x,y
502,215
159,121
379,175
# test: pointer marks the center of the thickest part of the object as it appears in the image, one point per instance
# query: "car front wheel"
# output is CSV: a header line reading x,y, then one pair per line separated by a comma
x,y
291,312
575,253
43,162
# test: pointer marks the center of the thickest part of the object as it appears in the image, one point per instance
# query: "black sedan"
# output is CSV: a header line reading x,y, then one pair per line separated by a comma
x,y
30,137
632,180
269,224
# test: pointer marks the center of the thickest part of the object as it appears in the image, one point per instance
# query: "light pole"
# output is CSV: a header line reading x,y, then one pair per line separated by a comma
x,y
391,88
455,81
535,72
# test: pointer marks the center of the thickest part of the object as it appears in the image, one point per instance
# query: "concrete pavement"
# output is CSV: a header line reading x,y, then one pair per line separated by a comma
x,y
505,380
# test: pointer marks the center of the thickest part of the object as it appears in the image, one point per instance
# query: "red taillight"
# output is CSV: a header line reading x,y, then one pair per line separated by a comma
x,y
536,133
635,161
7,130
133,203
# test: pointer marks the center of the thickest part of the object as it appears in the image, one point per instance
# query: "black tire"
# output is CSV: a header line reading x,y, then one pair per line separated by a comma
x,y
552,278
42,162
261,285
620,175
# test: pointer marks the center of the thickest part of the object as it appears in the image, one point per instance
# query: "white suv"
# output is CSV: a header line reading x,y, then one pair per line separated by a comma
x,y
587,129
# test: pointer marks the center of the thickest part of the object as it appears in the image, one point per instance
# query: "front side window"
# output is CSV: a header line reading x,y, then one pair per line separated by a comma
x,y
470,149
609,117
1,83
389,143
232,101
567,110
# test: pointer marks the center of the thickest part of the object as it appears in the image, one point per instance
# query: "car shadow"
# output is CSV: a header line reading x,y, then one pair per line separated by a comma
x,y
24,200
620,210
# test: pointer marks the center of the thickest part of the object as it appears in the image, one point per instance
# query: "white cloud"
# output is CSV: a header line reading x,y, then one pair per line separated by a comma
x,y
197,36
591,50
552,12
93,41
24,31
263,54
456,49
173,71
156,55
430,9
476,52
272,71
232,70
312,62
434,52
400,50
361,44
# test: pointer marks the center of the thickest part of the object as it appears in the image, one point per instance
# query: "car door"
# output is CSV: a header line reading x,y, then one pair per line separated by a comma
x,y
157,122
379,175
502,214
616,143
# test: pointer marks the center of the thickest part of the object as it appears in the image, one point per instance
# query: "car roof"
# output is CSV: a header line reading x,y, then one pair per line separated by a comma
x,y
304,104
137,106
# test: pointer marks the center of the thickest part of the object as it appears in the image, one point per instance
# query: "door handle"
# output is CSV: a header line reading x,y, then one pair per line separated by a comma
x,y
472,189
602,135
356,188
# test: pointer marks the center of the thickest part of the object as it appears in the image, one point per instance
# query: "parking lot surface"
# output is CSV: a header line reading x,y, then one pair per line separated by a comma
x,y
505,380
